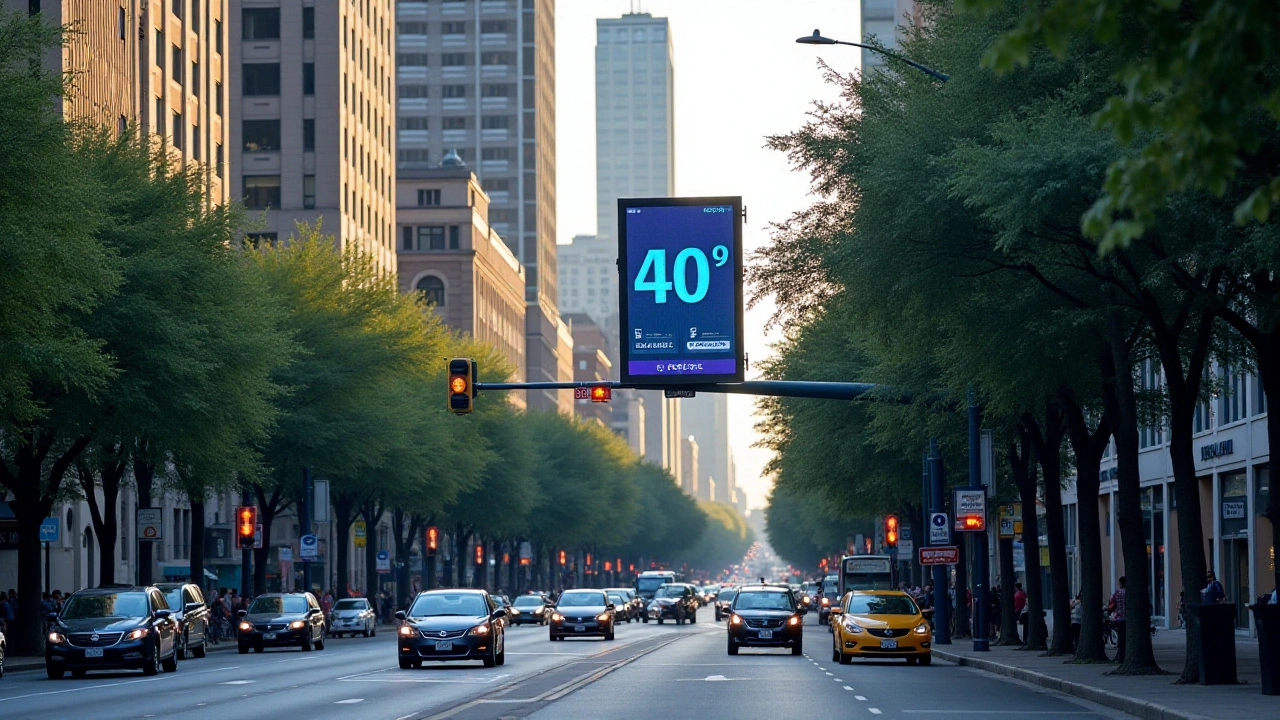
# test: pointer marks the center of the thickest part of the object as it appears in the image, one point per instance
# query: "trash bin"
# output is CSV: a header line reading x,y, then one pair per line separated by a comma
x,y
1268,619
1215,627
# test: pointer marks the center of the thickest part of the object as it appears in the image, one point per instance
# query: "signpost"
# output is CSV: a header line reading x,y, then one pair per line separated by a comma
x,y
383,561
680,301
309,548
1010,516
940,555
938,533
49,534
358,533
971,510
150,522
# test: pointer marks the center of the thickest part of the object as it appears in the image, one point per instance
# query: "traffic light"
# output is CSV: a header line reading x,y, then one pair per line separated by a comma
x,y
433,539
562,557
601,393
479,554
608,566
891,531
246,526
462,385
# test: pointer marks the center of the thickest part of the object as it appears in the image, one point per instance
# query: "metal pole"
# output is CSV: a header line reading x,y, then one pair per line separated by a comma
x,y
246,558
304,524
941,597
981,643
46,568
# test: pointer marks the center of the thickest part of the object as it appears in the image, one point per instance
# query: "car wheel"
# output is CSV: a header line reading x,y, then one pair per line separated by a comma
x,y
926,659
306,644
55,672
609,635
258,648
78,673
181,651
171,665
366,632
405,663
553,637
659,621
320,642
911,661
502,655
645,620
733,648
718,618
835,653
243,648
797,649
200,651
492,659
153,668
693,617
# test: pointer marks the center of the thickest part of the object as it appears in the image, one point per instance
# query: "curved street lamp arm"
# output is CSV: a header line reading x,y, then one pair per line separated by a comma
x,y
922,68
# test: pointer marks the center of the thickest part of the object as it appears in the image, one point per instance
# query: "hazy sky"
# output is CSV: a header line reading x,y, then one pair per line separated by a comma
x,y
739,77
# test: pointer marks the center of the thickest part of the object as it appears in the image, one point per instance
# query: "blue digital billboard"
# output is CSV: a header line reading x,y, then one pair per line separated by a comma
x,y
681,292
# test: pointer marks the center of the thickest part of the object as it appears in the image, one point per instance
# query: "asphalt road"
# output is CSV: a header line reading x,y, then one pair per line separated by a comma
x,y
648,671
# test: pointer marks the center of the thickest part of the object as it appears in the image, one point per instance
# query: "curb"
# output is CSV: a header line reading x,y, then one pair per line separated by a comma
x,y
1116,701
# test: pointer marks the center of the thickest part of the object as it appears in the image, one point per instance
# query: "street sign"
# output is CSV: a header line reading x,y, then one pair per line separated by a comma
x,y
582,393
680,302
674,394
938,532
906,546
358,532
1010,515
383,561
50,530
320,505
988,467
970,507
257,536
309,548
940,555
150,524
286,554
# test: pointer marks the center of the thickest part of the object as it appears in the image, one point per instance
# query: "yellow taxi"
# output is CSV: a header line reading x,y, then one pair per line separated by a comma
x,y
879,623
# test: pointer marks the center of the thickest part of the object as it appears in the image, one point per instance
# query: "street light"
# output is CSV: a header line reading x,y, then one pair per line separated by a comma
x,y
818,39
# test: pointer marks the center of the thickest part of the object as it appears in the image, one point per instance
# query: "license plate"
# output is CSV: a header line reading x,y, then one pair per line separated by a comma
x,y
766,634
888,644
268,636
93,652
444,646
579,628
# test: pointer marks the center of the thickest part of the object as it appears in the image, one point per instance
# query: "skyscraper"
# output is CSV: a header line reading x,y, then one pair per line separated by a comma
x,y
477,76
311,118
885,19
706,417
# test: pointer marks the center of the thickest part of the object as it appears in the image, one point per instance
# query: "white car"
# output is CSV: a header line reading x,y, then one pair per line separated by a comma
x,y
2,648
352,615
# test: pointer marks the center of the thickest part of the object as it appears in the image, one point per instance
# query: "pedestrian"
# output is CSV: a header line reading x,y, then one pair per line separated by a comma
x,y
1213,592
994,612
1077,614
57,600
1019,610
1116,606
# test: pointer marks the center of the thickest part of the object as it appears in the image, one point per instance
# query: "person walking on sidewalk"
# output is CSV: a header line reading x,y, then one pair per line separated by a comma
x,y
1077,614
1019,610
1116,606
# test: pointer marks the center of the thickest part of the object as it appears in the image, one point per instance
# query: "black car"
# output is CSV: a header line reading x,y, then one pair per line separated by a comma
x,y
187,603
458,624
622,609
112,628
531,610
282,620
582,613
724,601
765,616
674,601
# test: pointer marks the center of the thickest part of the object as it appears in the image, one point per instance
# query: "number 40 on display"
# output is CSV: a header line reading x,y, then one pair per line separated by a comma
x,y
653,273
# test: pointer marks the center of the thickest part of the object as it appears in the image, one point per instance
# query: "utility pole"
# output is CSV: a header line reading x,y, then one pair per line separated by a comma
x,y
981,642
304,525
941,595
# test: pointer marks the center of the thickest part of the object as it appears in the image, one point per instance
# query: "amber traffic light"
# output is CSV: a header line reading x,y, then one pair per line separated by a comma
x,y
601,393
891,530
246,526
433,539
462,385
562,557
479,555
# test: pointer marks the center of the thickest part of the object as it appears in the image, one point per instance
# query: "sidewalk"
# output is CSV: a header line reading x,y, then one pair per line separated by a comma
x,y
1152,697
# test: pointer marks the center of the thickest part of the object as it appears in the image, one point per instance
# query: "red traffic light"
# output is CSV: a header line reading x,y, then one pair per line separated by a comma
x,y
433,538
479,554
246,526
562,557
601,393
891,530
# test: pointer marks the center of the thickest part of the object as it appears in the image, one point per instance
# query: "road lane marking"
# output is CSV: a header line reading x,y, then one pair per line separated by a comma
x,y
859,697
873,711
351,701
846,687
838,679
236,682
1005,712
830,674
109,685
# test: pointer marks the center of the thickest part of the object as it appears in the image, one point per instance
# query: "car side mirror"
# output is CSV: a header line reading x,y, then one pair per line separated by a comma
x,y
400,615
498,614
192,607
242,613
164,614
836,611
52,617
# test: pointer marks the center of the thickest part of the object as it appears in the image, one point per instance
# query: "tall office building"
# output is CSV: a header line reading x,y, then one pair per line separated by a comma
x,y
886,19
706,417
477,76
311,118
158,64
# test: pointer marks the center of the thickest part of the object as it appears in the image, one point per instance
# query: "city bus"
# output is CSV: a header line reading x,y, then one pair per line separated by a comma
x,y
648,581
865,572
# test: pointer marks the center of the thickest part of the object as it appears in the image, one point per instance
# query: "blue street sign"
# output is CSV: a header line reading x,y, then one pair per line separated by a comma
x,y
49,530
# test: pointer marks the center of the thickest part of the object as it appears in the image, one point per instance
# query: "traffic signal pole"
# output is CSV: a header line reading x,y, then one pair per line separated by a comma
x,y
941,596
304,525
774,388
981,625
246,557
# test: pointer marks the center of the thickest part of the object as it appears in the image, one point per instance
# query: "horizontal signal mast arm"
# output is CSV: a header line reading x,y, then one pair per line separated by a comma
x,y
775,388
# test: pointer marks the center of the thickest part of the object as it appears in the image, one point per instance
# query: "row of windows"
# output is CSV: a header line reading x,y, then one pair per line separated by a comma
x,y
488,122
489,90
262,192
453,27
429,237
264,23
264,135
456,59
261,79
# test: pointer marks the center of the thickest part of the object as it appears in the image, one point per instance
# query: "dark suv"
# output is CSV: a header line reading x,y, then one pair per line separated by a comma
x,y
765,616
674,601
111,628
187,603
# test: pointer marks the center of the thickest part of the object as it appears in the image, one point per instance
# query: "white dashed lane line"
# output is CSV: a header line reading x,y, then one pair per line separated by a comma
x,y
874,711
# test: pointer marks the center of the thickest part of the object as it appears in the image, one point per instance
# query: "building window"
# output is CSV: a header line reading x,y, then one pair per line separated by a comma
x,y
177,63
495,153
1259,397
195,16
195,79
497,184
453,91
308,23
260,23
177,7
496,58
261,191
412,123
416,156
453,59
217,96
261,135
454,123
195,141
453,237
122,124
495,122
309,78
430,237
308,135
1231,405
412,28
309,191
217,35
159,49
217,156
431,288
178,128
415,59
428,197
453,28
497,90
412,91
261,79
493,26
120,23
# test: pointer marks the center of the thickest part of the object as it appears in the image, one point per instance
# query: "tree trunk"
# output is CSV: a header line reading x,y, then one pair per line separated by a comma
x,y
1048,445
268,509
197,537
371,513
343,515
1008,618
144,474
1025,477
461,539
1121,403
1088,448
105,517
1269,374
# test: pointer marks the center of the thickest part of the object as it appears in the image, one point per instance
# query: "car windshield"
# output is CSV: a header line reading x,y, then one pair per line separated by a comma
x,y
727,595
528,601
351,605
669,591
763,601
278,605
881,605
581,599
616,598
464,604
107,605
651,583
174,597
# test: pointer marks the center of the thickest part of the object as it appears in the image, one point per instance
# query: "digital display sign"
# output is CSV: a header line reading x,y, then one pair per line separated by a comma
x,y
681,291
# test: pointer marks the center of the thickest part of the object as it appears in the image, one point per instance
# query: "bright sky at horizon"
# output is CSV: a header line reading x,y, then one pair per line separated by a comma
x,y
739,77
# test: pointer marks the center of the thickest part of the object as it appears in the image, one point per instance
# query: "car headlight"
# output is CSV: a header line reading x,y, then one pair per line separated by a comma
x,y
735,620
137,633
825,602
515,611
246,626
603,617
922,629
556,617
793,620
57,638
852,627
406,631
480,630
297,625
